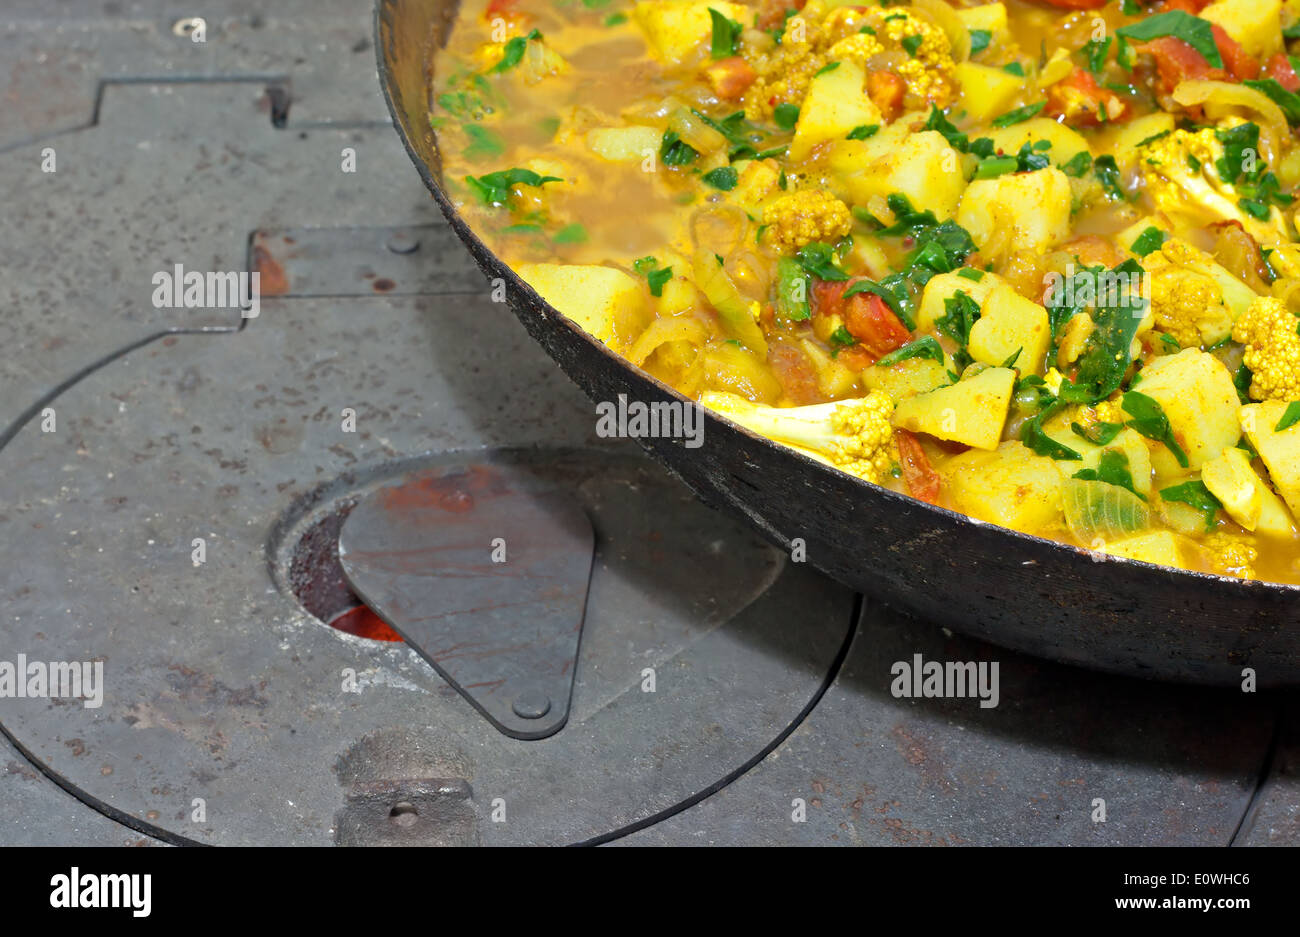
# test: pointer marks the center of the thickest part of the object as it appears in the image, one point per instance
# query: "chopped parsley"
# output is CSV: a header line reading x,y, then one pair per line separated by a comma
x,y
674,151
1149,240
1197,495
514,52
1019,114
726,35
1290,418
979,40
863,132
494,187
786,115
1149,420
924,347
1113,469
723,178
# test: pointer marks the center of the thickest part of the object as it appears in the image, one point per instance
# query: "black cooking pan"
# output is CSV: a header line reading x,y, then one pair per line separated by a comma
x,y
1018,591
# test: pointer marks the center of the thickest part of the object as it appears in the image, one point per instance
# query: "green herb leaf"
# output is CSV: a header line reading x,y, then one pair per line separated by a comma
x,y
494,187
1112,468
514,52
1107,173
979,40
570,234
1149,419
863,132
786,115
1290,418
819,260
674,151
1019,114
1289,101
657,278
925,347
937,121
1149,240
726,35
724,178
842,338
1033,436
828,67
1079,164
911,44
1095,51
1196,32
1197,495
484,143
1099,433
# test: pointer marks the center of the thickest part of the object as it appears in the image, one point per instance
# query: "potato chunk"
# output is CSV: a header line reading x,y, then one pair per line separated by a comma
x,y
836,103
1256,24
986,92
1066,143
1008,324
608,303
922,166
971,411
1159,546
1196,392
1279,451
944,286
624,144
1033,206
675,28
1010,486
1231,479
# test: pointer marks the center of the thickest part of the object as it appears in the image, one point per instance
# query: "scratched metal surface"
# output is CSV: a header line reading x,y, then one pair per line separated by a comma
x,y
172,151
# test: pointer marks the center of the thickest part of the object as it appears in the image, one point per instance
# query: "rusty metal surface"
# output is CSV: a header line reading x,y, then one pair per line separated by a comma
x,y
362,261
484,571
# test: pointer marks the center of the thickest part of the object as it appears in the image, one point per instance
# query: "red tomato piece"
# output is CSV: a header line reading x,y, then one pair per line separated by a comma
x,y
1078,100
1236,60
869,319
1280,70
922,481
886,91
1177,62
730,77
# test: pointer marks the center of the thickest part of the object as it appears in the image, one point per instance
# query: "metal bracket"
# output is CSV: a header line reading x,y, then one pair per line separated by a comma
x,y
484,570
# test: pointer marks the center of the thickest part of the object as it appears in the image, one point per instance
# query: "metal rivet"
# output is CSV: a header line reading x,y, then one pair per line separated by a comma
x,y
403,242
531,705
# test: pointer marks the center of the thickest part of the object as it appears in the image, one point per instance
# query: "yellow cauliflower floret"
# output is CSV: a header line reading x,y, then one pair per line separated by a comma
x,y
852,435
1183,301
1197,194
865,448
1268,330
804,217
813,39
1232,555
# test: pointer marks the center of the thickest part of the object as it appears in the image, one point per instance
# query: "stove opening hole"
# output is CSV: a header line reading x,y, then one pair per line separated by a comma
x,y
404,814
317,580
